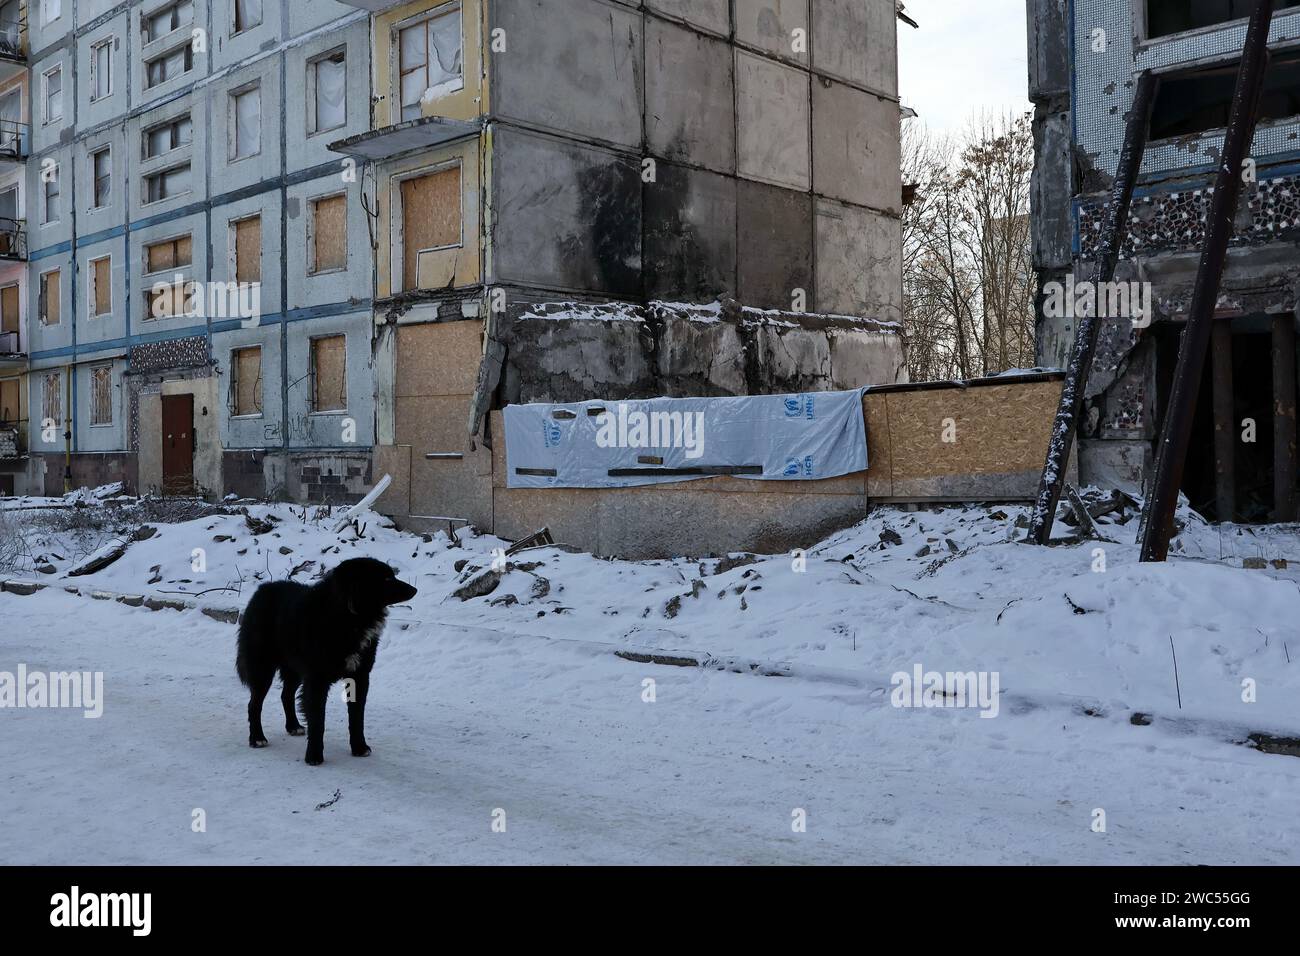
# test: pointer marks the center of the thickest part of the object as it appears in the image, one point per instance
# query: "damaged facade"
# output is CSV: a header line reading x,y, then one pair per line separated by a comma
x,y
1084,58
445,207
592,198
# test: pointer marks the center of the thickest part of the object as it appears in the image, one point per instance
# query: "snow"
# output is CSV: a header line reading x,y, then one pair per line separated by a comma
x,y
515,701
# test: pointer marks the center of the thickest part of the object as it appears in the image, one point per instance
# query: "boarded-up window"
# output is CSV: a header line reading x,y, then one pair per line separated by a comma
x,y
329,374
101,395
329,239
9,401
168,254
248,249
52,397
430,218
101,286
246,381
49,305
10,320
164,300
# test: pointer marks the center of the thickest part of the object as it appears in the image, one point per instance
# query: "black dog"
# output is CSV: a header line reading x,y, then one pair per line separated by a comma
x,y
315,636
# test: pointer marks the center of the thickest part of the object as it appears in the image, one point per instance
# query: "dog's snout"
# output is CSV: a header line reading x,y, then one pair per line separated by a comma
x,y
403,591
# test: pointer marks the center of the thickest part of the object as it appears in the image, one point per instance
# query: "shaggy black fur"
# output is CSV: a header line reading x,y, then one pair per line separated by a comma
x,y
315,636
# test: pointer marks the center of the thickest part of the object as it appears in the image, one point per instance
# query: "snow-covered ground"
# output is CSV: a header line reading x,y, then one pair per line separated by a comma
x,y
511,705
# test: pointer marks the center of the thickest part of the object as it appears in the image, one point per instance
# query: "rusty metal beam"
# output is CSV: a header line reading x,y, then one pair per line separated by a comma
x,y
1225,427
1176,429
1284,423
1085,334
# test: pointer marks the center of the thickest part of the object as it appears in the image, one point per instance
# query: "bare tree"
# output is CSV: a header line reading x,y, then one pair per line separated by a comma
x,y
966,278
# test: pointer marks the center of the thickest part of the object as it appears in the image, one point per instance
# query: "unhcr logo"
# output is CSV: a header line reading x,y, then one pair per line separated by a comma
x,y
628,428
800,406
1105,300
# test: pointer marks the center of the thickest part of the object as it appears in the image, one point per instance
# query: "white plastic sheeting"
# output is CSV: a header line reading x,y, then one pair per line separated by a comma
x,y
597,444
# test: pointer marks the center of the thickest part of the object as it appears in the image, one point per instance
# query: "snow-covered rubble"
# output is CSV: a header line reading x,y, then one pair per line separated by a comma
x,y
950,588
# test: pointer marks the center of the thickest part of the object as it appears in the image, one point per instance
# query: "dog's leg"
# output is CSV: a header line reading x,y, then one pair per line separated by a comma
x,y
291,681
357,717
257,691
313,704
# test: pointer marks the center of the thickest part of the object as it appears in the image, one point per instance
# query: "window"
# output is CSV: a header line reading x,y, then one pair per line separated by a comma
x,y
50,210
52,396
164,137
169,66
1174,16
51,10
101,395
246,244
167,184
246,123
52,86
430,218
1199,100
329,389
10,315
101,69
9,410
168,255
163,21
328,239
49,298
429,59
327,85
167,300
101,167
246,381
248,14
100,297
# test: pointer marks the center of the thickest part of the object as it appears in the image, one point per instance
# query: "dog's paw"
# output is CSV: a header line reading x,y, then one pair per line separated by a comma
x,y
361,751
315,758
258,743
296,731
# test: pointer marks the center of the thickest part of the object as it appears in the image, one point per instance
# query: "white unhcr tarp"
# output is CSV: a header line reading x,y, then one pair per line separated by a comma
x,y
639,442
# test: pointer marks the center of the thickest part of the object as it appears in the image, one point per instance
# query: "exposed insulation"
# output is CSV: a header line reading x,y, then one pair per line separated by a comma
x,y
431,218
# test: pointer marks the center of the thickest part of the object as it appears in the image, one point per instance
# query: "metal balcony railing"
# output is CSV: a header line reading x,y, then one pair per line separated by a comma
x,y
13,40
13,239
15,138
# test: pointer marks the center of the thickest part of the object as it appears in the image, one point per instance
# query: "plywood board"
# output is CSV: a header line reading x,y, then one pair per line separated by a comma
x,y
248,250
329,233
431,219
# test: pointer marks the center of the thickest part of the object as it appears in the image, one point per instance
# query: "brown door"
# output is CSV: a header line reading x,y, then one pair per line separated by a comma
x,y
178,444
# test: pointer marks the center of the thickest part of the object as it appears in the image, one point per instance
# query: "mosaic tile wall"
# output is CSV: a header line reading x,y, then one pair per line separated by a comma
x,y
169,353
1104,71
1174,221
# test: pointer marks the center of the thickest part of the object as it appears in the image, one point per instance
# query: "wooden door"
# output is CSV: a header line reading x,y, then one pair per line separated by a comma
x,y
178,444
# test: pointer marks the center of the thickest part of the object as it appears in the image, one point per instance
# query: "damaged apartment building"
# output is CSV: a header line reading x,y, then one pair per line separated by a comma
x,y
446,207
1084,60
601,199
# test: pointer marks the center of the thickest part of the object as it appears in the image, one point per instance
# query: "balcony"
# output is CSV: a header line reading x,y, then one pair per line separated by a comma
x,y
13,239
15,141
387,142
13,43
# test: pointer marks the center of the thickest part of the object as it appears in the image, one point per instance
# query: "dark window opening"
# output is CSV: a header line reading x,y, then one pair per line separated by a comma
x,y
1174,16
1193,102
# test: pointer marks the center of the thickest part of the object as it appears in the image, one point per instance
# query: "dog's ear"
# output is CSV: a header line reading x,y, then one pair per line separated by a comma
x,y
342,587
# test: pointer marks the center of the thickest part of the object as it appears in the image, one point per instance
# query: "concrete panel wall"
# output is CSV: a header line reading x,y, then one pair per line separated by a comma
x,y
772,103
856,41
776,256
711,15
690,235
856,146
573,66
566,216
859,262
690,98
771,26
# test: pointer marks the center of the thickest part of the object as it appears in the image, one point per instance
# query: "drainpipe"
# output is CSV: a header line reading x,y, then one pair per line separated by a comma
x,y
67,429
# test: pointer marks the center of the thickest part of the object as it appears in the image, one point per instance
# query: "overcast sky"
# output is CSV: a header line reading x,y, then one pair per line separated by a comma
x,y
968,55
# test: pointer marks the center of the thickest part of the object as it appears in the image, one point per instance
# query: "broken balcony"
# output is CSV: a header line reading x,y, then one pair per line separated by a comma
x,y
387,142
